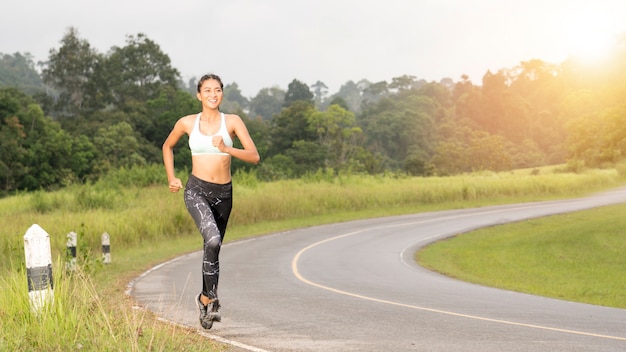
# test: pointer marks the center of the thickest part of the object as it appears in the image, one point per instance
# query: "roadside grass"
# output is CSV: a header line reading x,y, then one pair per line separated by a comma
x,y
148,225
576,257
136,215
84,317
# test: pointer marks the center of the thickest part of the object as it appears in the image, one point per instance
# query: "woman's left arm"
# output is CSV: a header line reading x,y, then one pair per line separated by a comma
x,y
249,152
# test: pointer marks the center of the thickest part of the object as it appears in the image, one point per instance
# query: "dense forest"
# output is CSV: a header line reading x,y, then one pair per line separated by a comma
x,y
83,113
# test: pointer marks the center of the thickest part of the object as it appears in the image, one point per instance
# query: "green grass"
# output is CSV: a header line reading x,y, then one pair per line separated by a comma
x,y
149,225
577,257
84,317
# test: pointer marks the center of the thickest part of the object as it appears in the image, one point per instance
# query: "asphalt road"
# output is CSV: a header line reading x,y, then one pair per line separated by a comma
x,y
354,286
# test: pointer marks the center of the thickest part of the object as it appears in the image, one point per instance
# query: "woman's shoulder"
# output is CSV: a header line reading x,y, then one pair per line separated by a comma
x,y
187,119
232,117
232,120
187,122
191,117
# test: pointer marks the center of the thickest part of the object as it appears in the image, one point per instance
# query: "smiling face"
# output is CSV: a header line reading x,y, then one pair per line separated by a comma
x,y
211,93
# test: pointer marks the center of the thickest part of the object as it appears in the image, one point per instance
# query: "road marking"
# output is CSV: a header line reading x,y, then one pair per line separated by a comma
x,y
214,337
129,292
296,272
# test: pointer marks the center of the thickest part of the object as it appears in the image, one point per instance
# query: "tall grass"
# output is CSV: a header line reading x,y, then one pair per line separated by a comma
x,y
305,198
145,214
79,318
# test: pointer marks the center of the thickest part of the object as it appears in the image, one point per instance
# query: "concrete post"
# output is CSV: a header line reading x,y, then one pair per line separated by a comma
x,y
38,267
72,241
106,248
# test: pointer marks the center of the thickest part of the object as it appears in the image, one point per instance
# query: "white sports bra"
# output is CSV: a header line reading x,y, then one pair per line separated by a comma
x,y
201,144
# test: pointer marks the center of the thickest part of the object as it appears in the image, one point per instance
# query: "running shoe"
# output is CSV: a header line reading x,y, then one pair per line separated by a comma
x,y
212,314
202,308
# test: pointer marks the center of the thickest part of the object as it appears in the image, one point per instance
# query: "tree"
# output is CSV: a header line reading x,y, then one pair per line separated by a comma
x,y
118,147
291,125
70,70
337,100
137,72
297,91
488,152
337,132
351,94
307,156
400,125
492,110
267,103
259,131
18,70
599,139
165,110
529,75
130,79
527,154
49,158
462,87
234,101
450,158
402,83
13,135
438,92
23,130
374,92
12,166
467,99
319,92
83,158
483,151
36,151
277,167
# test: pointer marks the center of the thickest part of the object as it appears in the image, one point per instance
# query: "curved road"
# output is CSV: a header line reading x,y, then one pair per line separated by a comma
x,y
354,286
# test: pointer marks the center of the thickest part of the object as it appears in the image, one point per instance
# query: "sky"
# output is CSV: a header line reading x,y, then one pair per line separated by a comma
x,y
263,43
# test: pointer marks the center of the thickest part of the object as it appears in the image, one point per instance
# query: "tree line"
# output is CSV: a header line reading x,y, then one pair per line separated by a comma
x,y
85,113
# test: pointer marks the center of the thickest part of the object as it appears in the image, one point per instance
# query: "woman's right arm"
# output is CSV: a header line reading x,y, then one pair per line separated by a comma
x,y
175,183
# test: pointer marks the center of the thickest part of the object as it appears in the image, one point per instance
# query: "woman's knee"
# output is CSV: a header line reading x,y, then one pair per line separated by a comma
x,y
212,242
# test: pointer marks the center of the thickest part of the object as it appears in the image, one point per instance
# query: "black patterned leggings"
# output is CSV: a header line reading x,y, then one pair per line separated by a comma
x,y
209,204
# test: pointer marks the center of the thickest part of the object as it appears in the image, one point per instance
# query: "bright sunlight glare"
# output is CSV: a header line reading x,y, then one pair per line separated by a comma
x,y
590,34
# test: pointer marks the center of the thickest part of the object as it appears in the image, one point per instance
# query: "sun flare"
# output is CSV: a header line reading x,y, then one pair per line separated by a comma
x,y
589,35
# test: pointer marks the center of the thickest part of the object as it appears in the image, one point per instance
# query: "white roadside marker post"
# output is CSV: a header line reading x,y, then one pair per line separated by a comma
x,y
106,248
38,267
72,241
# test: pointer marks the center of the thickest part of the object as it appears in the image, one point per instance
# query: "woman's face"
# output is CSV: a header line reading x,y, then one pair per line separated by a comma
x,y
211,94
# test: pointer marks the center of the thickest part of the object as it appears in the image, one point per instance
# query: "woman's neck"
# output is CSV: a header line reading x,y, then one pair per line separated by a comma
x,y
209,115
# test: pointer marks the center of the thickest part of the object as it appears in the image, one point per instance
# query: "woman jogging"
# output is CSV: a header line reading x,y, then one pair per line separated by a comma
x,y
208,192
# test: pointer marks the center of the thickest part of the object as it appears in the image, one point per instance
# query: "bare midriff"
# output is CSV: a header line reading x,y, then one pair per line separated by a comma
x,y
212,168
